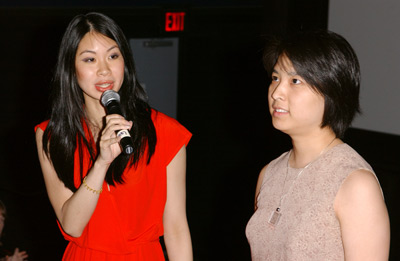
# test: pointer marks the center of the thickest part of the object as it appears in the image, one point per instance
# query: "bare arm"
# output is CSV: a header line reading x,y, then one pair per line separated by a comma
x,y
258,187
363,217
74,210
176,229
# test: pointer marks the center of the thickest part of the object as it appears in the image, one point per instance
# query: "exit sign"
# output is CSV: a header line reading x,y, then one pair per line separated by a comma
x,y
174,21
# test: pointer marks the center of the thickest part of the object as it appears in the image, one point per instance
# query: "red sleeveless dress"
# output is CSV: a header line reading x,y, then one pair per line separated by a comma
x,y
127,221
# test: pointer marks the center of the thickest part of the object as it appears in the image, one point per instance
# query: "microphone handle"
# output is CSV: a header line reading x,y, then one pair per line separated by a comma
x,y
126,141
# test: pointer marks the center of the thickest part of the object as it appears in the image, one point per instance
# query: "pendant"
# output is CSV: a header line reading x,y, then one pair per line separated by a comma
x,y
275,216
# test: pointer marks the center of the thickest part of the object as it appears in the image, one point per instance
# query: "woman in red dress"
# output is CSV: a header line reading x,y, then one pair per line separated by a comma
x,y
111,205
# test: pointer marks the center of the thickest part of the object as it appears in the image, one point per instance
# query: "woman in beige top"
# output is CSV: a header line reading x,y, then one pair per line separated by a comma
x,y
321,200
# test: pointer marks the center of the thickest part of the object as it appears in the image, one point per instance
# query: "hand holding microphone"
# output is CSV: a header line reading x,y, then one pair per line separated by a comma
x,y
110,100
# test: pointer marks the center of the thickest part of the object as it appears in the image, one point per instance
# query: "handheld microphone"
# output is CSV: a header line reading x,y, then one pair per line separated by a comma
x,y
110,100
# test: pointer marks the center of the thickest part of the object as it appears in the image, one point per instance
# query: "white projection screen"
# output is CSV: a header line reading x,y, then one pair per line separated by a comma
x,y
373,29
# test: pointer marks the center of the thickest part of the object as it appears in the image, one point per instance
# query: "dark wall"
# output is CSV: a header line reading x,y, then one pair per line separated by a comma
x,y
29,41
222,100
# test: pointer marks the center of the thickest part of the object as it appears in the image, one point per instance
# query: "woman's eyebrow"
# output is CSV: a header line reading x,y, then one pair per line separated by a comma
x,y
93,52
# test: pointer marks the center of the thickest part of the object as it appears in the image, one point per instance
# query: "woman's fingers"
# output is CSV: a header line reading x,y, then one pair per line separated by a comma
x,y
114,123
109,141
18,255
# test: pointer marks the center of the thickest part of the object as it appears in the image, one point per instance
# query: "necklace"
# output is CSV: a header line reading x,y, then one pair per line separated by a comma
x,y
276,214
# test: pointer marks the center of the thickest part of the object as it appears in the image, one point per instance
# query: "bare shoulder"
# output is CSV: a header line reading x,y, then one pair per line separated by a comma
x,y
259,183
361,210
39,144
359,189
39,135
361,184
262,173
261,176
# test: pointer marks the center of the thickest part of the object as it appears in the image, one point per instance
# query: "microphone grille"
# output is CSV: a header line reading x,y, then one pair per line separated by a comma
x,y
108,96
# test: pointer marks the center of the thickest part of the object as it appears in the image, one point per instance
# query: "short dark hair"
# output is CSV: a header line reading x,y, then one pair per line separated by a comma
x,y
329,64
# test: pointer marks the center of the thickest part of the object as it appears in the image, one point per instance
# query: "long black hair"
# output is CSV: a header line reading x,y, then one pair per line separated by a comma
x,y
329,64
65,129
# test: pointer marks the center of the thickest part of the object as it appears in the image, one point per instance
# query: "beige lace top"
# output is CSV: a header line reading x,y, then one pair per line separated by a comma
x,y
308,228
